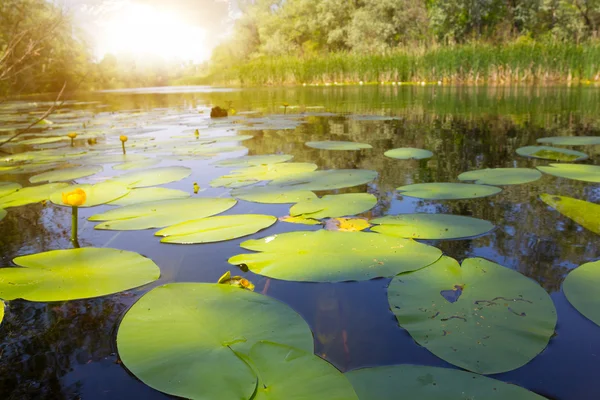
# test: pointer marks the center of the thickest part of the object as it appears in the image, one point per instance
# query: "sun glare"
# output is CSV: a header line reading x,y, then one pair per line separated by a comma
x,y
143,31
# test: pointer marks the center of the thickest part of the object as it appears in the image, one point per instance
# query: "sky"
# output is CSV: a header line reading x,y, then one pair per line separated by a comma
x,y
185,30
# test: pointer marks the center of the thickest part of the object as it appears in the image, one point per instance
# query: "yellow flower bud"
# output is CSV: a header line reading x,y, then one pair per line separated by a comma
x,y
123,138
75,198
72,135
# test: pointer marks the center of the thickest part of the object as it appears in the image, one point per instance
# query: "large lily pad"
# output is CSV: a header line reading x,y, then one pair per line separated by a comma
x,y
326,180
99,193
408,153
60,275
145,195
158,214
3,213
551,153
571,140
447,191
328,256
578,172
249,161
501,176
7,188
480,316
581,289
584,213
184,338
431,226
338,145
431,383
150,162
287,373
66,174
247,176
216,229
30,195
272,194
335,205
153,176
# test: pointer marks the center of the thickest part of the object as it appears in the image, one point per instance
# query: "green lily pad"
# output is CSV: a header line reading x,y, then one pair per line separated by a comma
x,y
66,174
153,176
250,175
61,275
272,195
578,172
215,229
335,205
571,140
185,339
2,306
431,226
150,162
145,195
249,161
326,180
287,373
501,176
408,153
99,193
328,256
7,188
447,191
338,145
581,289
480,316
114,158
584,213
431,383
158,214
551,153
30,195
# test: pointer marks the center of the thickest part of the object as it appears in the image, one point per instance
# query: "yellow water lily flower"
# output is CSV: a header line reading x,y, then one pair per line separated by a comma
x,y
72,135
196,188
75,198
123,138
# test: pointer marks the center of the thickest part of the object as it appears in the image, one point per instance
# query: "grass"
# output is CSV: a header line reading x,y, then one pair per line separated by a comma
x,y
518,62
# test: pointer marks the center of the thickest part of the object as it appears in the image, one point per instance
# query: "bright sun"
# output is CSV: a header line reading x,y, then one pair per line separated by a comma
x,y
141,30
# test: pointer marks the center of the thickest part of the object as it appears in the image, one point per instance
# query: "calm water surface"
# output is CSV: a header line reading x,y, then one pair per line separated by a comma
x,y
67,350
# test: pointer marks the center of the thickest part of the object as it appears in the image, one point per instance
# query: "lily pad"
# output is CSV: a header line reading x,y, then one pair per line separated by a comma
x,y
145,195
150,162
480,316
185,339
581,289
327,256
338,145
578,172
431,226
287,373
408,153
99,193
2,306
153,176
272,194
215,229
431,383
584,213
300,220
501,176
30,195
249,161
158,214
7,188
326,180
571,140
66,174
447,191
61,275
551,153
3,214
247,176
335,205
347,224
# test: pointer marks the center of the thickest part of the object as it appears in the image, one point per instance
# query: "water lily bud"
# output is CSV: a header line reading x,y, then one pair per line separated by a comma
x,y
75,198
196,188
72,135
123,138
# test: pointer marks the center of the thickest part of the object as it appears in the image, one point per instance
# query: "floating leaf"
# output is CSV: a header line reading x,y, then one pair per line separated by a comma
x,y
30,195
501,176
571,140
7,188
338,145
249,161
153,176
272,194
300,220
184,339
326,180
347,224
158,214
287,373
431,226
431,383
326,256
61,275
66,174
150,162
581,289
237,281
551,153
215,229
447,191
115,158
250,175
145,195
408,153
579,172
2,306
480,316
3,214
584,213
99,193
334,205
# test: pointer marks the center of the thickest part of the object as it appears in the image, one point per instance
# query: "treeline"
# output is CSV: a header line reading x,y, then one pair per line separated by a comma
x,y
308,41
